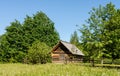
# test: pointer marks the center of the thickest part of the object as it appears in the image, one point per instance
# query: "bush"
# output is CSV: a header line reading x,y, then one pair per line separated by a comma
x,y
38,53
116,61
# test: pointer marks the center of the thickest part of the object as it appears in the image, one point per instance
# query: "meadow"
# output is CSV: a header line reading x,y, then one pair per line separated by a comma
x,y
55,70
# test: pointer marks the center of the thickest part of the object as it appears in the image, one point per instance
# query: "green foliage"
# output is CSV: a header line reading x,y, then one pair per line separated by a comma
x,y
10,43
40,27
14,44
100,36
112,34
74,38
39,53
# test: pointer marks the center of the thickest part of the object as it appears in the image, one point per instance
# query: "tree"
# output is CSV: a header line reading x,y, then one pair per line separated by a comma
x,y
112,35
40,27
11,43
74,38
19,37
39,52
93,37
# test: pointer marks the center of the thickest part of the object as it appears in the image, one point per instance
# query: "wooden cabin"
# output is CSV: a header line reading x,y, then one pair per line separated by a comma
x,y
65,52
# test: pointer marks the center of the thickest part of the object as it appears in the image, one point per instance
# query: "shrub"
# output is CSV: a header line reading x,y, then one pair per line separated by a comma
x,y
39,52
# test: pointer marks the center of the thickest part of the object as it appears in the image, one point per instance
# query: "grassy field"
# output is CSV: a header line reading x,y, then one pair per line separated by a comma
x,y
55,70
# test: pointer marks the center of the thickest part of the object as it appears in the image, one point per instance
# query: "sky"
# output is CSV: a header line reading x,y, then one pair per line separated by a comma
x,y
66,14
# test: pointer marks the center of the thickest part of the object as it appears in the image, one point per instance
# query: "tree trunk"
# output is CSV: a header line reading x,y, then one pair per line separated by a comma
x,y
89,59
112,61
102,60
93,64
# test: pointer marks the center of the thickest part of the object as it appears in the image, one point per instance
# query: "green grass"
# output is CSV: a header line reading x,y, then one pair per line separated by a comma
x,y
55,70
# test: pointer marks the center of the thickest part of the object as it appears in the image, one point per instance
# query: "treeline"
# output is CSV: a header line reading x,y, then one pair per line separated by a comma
x,y
18,40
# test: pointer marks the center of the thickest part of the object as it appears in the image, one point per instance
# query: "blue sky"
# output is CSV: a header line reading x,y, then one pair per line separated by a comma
x,y
66,14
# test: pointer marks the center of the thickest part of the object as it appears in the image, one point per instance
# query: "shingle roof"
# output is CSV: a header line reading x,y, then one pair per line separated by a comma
x,y
72,48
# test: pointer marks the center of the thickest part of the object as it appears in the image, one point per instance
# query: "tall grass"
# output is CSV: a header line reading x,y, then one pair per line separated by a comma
x,y
55,70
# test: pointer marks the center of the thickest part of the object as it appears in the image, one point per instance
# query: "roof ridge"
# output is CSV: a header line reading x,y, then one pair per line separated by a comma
x,y
65,41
